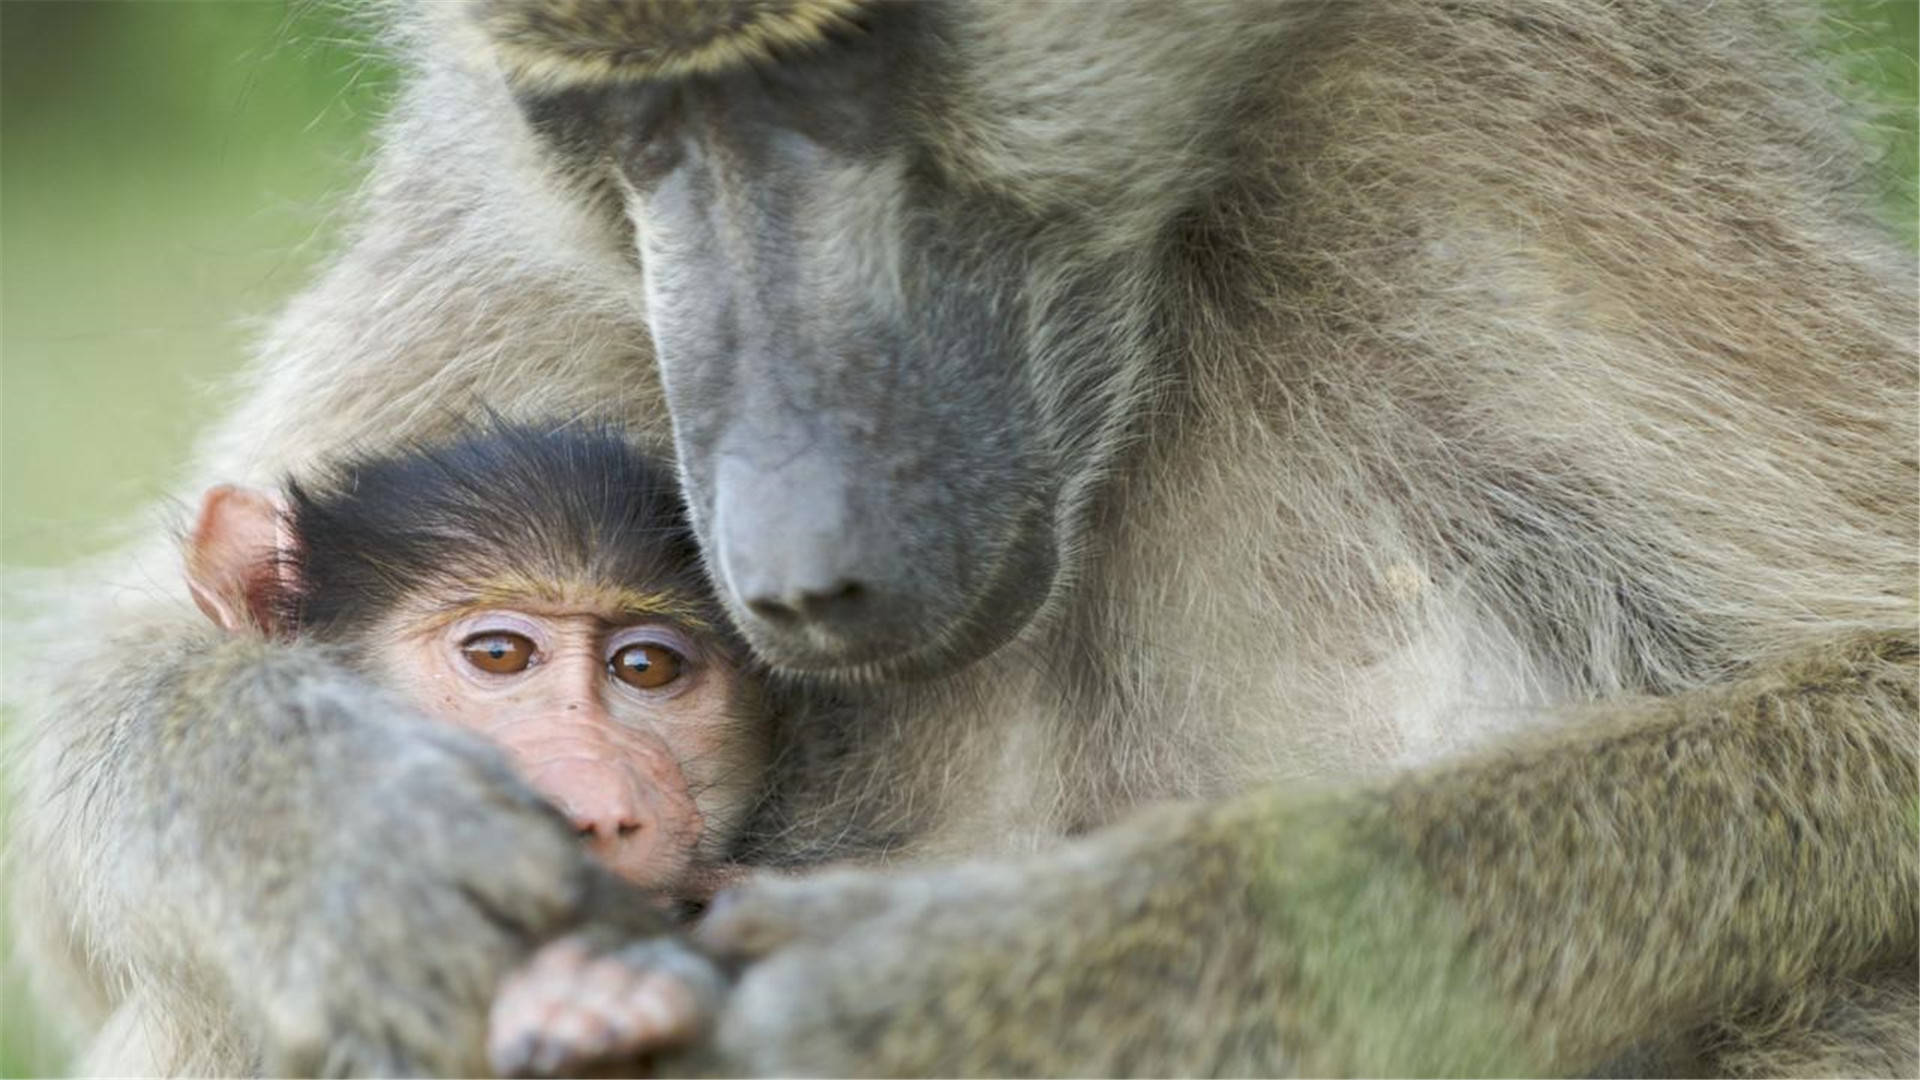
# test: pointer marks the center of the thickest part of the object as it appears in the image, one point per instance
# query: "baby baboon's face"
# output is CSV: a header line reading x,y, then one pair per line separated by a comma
x,y
633,728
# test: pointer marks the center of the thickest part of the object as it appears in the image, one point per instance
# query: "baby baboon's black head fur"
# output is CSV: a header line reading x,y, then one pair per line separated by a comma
x,y
510,506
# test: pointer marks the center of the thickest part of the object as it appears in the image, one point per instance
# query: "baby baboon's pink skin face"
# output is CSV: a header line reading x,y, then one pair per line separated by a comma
x,y
629,727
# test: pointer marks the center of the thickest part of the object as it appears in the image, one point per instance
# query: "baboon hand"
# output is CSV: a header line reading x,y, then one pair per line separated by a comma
x,y
593,1003
437,872
951,972
822,955
1019,967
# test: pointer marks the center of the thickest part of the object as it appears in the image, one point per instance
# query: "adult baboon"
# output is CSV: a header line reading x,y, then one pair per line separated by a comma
x,y
1466,447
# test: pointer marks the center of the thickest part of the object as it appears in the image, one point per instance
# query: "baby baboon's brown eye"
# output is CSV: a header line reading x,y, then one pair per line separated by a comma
x,y
497,651
646,665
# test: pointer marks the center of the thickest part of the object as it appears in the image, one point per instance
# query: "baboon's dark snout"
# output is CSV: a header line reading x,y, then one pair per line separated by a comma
x,y
839,601
816,580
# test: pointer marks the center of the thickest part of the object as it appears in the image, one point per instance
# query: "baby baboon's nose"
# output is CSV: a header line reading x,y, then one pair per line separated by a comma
x,y
605,826
600,802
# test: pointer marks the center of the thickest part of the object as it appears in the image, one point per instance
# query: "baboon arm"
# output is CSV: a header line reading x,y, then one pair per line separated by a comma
x,y
230,826
1543,909
117,774
1680,857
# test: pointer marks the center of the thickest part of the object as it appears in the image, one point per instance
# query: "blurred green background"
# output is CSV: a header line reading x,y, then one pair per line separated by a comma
x,y
166,177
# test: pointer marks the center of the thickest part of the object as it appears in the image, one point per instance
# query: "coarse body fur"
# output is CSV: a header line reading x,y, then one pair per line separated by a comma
x,y
1506,527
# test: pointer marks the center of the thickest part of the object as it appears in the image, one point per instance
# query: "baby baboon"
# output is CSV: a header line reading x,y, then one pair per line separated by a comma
x,y
540,588
1465,450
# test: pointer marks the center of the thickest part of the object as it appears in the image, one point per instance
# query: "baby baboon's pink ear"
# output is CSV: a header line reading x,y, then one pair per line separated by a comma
x,y
236,568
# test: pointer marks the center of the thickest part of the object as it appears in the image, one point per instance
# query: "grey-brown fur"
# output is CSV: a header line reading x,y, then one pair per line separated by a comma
x,y
1486,379
591,42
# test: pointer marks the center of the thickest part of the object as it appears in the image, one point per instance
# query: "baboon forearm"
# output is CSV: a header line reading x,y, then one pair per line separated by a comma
x,y
204,784
261,809
1691,853
1641,875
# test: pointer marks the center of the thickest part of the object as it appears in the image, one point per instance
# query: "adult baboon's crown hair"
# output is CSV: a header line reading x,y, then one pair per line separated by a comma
x,y
549,45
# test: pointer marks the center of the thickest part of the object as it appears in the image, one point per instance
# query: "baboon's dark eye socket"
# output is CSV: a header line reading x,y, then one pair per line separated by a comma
x,y
498,652
646,665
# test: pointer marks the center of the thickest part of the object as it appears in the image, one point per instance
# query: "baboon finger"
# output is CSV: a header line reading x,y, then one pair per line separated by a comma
x,y
571,1009
528,1010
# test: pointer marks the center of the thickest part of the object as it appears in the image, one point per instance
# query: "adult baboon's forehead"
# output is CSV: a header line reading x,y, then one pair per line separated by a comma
x,y
1113,110
551,45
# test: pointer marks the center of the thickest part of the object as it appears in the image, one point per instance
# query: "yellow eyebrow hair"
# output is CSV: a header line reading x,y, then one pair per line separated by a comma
x,y
555,45
506,590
